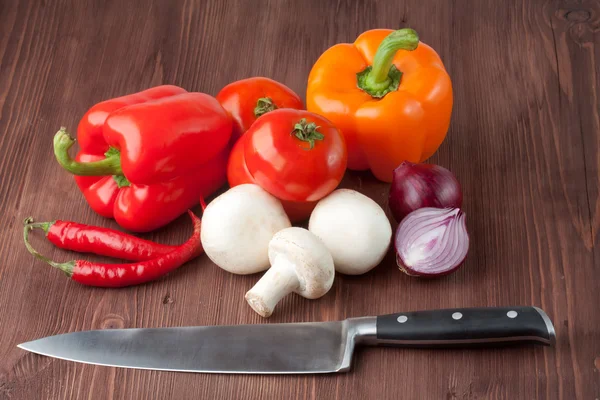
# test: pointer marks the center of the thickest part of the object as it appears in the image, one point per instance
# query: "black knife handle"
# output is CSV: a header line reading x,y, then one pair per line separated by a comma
x,y
466,327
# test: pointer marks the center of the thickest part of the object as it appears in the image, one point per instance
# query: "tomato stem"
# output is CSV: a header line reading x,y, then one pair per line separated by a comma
x,y
307,132
383,76
263,106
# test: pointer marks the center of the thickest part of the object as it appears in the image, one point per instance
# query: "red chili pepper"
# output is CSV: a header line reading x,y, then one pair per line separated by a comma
x,y
121,275
162,148
97,240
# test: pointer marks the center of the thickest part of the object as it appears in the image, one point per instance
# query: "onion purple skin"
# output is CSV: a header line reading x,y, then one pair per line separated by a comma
x,y
399,240
417,186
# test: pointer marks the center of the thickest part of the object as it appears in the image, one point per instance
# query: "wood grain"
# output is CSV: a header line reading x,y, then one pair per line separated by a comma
x,y
524,141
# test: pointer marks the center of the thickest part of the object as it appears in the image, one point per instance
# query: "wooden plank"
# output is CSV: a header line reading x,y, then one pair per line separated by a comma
x,y
524,142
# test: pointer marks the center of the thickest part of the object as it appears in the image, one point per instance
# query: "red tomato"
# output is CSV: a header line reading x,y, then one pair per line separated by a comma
x,y
248,99
237,174
295,155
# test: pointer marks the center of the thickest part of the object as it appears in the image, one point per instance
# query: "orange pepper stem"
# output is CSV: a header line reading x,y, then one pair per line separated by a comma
x,y
383,77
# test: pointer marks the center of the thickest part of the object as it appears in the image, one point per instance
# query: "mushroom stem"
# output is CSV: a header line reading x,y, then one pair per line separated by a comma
x,y
279,281
300,263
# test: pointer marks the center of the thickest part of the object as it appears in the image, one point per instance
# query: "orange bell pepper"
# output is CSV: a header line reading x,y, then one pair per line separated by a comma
x,y
388,94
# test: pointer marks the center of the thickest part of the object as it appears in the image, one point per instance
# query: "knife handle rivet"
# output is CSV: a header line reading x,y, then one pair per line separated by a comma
x,y
512,314
456,316
402,319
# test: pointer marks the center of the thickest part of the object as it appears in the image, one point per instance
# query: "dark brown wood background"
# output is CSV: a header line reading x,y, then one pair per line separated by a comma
x,y
524,141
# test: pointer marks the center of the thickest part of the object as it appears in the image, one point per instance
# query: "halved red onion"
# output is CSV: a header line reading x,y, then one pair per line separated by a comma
x,y
432,241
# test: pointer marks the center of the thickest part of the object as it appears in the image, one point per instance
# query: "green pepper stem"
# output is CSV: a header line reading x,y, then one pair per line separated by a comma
x,y
111,165
66,267
382,77
402,39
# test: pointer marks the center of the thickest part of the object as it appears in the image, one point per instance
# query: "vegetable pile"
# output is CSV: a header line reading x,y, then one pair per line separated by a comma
x,y
381,104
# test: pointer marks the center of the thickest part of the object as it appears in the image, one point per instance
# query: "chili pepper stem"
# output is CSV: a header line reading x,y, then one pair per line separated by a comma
x,y
383,77
45,226
66,267
111,165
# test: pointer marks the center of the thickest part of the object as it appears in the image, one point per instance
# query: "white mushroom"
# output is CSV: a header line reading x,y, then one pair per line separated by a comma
x,y
300,263
354,228
237,227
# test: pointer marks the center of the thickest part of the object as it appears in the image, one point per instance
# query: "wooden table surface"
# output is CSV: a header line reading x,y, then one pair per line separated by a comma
x,y
524,141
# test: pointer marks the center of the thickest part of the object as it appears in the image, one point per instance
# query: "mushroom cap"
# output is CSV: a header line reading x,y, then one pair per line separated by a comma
x,y
309,257
354,228
237,227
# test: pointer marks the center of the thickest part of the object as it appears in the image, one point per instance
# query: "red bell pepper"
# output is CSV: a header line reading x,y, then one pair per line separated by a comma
x,y
147,157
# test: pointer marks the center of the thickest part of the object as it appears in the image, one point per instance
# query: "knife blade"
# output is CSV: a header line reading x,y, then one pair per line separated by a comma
x,y
294,348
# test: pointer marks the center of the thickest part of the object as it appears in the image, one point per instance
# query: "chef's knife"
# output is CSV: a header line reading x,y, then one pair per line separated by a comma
x,y
295,348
